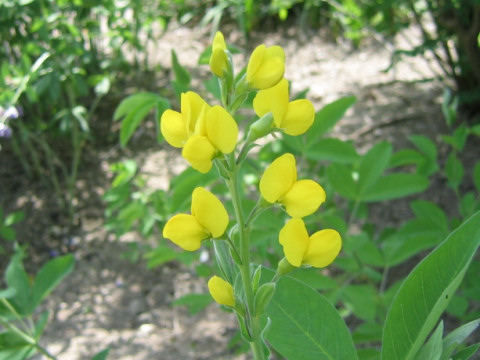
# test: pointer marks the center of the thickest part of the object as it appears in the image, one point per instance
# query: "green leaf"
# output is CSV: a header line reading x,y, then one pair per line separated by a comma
x,y
132,102
453,340
304,325
50,275
194,302
7,293
14,218
224,260
262,298
102,355
466,353
182,76
126,171
334,150
454,170
426,292
134,109
341,178
327,117
425,158
406,157
160,255
425,145
14,347
182,186
432,213
415,236
394,186
17,278
360,299
432,350
372,166
7,233
476,175
17,353
368,332
40,324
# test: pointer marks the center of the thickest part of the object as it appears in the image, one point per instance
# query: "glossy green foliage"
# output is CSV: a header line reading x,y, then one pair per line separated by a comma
x,y
304,325
427,290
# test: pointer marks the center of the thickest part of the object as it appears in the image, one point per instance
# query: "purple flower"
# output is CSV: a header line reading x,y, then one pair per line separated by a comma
x,y
5,130
12,112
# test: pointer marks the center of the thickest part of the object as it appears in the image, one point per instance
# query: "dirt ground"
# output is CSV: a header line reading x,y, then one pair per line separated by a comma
x,y
110,302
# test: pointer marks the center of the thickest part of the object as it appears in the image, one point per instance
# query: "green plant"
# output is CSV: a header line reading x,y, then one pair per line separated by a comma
x,y
273,305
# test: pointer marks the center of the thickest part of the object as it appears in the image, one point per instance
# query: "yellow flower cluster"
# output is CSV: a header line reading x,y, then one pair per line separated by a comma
x,y
206,133
200,129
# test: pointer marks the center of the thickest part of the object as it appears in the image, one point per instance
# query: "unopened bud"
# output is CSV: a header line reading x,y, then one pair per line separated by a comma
x,y
260,128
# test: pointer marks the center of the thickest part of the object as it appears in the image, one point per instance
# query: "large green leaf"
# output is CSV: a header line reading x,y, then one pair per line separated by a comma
x,y
426,292
305,326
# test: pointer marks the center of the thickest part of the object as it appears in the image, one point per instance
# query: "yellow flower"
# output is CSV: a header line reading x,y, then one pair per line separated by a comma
x,y
265,67
318,250
177,127
201,130
218,60
279,184
294,118
221,291
208,219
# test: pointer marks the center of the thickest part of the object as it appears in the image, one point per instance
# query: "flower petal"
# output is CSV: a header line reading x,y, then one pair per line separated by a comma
x,y
173,128
191,107
324,247
209,212
222,129
218,60
199,152
219,41
278,178
294,238
185,231
275,100
266,67
255,61
303,199
221,291
299,117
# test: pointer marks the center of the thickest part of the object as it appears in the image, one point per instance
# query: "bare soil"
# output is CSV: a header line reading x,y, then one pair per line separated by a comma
x,y
109,301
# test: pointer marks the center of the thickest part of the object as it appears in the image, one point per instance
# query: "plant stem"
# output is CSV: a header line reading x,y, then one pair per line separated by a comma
x,y
244,233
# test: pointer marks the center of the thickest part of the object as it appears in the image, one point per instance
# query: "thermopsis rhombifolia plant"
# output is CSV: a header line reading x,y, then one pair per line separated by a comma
x,y
208,136
275,310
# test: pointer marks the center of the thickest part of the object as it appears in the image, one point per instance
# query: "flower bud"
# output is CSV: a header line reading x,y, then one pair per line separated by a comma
x,y
260,128
221,291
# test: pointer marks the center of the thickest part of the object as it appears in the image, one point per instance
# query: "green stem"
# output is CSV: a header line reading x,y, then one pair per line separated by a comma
x,y
244,234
